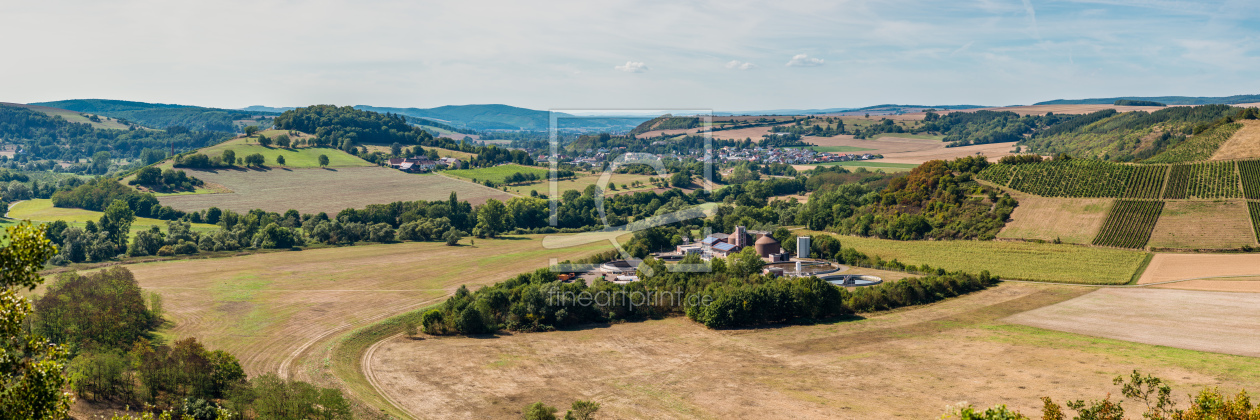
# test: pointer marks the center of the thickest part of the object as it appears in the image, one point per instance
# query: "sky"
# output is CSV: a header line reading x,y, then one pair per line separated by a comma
x,y
728,55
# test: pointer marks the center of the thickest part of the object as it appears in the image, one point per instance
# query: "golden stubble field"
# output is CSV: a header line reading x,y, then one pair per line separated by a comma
x,y
902,364
1217,224
1071,220
1244,144
313,190
272,310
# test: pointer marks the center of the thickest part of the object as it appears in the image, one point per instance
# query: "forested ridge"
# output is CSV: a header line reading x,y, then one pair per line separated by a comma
x,y
42,137
161,115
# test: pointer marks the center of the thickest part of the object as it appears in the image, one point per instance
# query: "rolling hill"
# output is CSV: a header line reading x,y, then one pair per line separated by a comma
x,y
1170,100
506,117
162,115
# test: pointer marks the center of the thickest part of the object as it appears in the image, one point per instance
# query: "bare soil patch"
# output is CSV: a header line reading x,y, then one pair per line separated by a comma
x,y
1244,144
1203,225
313,190
1071,220
1171,267
908,363
1195,320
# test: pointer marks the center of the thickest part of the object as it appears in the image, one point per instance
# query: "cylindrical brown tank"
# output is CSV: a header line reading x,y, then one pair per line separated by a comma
x,y
766,245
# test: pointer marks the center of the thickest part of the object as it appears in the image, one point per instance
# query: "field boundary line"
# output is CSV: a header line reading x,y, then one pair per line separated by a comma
x,y
365,363
283,369
1121,286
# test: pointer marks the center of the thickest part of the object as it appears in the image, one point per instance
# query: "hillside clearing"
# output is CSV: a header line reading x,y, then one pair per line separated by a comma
x,y
1193,320
1203,225
1008,259
314,190
74,117
42,210
580,183
1071,220
885,365
302,157
1244,144
498,173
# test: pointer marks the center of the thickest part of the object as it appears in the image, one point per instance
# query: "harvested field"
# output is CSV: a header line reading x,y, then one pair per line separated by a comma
x,y
1249,284
903,364
754,133
1171,267
1203,225
882,145
1007,259
1071,220
269,309
314,190
1244,144
992,151
1193,320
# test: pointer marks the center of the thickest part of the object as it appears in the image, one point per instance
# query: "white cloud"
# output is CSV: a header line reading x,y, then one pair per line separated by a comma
x,y
803,60
742,65
633,67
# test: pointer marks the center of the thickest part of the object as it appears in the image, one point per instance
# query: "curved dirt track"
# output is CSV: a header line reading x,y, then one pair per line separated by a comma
x,y
273,310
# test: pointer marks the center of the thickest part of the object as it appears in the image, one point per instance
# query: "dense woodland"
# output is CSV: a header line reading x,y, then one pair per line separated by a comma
x,y
41,137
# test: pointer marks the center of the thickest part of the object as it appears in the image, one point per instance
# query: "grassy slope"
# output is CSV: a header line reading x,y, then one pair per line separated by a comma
x,y
305,157
580,183
497,173
75,117
887,167
42,210
1010,260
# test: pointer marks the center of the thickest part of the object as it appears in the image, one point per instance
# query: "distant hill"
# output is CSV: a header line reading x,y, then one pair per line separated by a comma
x,y
74,116
162,115
506,117
1169,100
874,109
261,108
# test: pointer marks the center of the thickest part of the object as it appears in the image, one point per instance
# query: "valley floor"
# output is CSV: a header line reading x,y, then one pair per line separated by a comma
x,y
908,363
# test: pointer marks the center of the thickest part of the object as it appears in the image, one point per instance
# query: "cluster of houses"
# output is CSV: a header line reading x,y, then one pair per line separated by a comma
x,y
422,163
789,156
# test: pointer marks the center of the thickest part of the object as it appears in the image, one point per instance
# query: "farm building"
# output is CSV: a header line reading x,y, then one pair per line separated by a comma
x,y
413,164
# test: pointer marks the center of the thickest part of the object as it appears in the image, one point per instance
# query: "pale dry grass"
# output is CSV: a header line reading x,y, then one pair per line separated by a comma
x,y
1203,225
271,309
1171,267
313,190
1071,220
992,151
909,364
1196,320
1244,144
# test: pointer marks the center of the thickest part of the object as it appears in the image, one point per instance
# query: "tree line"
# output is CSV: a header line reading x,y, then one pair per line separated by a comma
x,y
93,333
